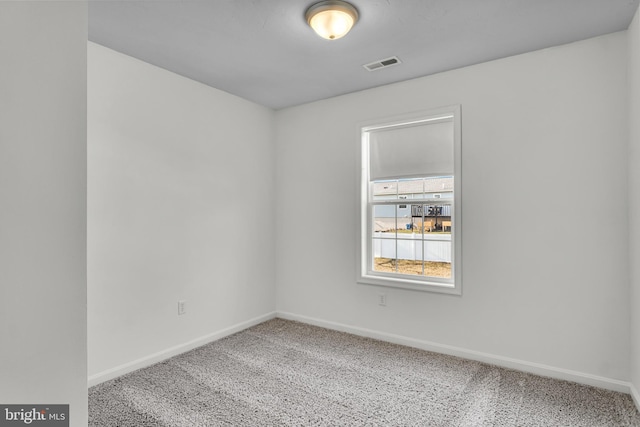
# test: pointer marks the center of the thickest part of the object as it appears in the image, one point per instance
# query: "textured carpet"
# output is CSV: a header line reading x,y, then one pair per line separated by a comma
x,y
283,373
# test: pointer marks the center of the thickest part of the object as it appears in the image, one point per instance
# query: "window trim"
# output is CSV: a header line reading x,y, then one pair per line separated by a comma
x,y
365,241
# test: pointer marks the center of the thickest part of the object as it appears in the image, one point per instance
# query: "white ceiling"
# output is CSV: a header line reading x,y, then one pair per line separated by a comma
x,y
263,50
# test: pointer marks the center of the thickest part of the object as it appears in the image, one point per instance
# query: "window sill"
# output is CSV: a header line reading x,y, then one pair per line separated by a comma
x,y
415,285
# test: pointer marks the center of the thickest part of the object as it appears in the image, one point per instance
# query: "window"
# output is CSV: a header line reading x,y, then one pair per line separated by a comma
x,y
410,208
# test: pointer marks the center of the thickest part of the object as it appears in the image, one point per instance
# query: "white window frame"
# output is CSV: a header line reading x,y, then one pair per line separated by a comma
x,y
366,274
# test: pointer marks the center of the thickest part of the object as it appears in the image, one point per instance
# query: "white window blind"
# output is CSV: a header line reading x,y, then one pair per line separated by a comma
x,y
412,150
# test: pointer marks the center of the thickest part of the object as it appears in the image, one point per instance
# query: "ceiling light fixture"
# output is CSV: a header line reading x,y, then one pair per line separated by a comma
x,y
332,19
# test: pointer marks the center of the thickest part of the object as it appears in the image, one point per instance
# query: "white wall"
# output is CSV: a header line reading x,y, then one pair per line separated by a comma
x,y
180,208
43,205
634,200
547,132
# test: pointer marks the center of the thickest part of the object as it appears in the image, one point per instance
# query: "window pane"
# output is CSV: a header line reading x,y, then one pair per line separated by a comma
x,y
410,254
437,217
440,187
411,188
385,190
384,238
437,250
384,253
409,245
384,220
437,269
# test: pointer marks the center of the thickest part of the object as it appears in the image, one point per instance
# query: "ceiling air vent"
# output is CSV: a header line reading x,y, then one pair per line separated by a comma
x,y
383,63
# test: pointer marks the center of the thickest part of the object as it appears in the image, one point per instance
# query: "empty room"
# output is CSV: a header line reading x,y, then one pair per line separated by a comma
x,y
292,212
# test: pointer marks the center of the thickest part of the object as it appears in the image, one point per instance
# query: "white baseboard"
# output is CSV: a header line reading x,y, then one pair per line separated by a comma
x,y
506,362
174,351
635,395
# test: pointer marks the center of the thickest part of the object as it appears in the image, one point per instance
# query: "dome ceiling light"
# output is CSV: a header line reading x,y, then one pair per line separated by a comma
x,y
331,19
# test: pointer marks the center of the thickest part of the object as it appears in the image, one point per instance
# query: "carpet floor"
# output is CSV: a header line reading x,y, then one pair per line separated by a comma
x,y
284,373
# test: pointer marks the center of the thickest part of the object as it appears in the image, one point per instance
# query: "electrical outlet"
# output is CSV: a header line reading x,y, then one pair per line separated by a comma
x,y
182,307
382,299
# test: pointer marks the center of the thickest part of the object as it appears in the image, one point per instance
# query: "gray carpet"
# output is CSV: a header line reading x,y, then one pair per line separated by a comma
x,y
283,373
